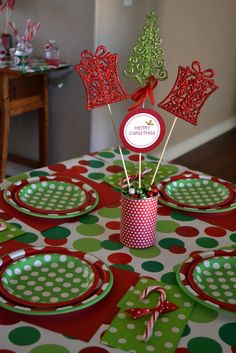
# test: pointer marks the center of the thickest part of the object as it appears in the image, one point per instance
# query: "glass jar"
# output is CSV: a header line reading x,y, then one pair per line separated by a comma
x,y
22,55
51,53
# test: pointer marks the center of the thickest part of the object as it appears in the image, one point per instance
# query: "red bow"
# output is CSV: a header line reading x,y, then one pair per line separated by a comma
x,y
141,94
163,307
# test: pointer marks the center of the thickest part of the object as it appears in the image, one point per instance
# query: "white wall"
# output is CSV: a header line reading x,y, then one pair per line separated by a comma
x,y
201,30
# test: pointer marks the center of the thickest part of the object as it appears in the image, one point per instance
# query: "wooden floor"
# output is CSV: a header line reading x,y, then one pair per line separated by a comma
x,y
216,157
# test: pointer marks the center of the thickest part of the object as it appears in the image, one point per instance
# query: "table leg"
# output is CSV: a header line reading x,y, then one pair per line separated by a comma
x,y
4,125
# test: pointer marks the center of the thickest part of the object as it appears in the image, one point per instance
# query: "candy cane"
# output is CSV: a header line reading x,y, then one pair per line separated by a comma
x,y
15,31
150,325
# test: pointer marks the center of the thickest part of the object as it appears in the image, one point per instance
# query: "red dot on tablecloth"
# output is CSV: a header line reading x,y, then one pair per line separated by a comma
x,y
177,249
182,350
55,242
164,211
78,169
4,216
115,238
215,231
113,225
83,162
119,258
93,349
114,169
6,351
135,157
186,231
57,167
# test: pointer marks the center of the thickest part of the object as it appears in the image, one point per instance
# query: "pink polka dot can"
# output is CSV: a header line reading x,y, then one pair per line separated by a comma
x,y
138,221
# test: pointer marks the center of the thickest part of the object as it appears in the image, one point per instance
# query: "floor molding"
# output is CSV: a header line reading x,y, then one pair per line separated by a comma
x,y
186,146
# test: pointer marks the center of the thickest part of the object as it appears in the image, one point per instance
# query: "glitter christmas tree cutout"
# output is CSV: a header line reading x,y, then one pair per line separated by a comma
x,y
147,60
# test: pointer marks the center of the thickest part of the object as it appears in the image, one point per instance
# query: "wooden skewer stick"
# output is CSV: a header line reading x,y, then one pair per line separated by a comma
x,y
139,170
163,151
118,143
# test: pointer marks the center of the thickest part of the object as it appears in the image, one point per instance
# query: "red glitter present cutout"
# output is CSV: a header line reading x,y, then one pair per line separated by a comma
x,y
99,74
191,89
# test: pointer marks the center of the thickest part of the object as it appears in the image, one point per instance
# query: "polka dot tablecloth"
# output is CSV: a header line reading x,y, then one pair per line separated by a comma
x,y
177,237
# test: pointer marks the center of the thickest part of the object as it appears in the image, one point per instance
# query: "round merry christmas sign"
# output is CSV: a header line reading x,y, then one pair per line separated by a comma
x,y
142,130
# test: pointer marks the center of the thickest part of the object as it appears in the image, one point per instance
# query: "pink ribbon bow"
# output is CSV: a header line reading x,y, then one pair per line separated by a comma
x,y
163,306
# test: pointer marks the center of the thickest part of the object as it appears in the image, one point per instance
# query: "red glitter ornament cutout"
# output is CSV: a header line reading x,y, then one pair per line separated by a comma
x,y
100,77
191,89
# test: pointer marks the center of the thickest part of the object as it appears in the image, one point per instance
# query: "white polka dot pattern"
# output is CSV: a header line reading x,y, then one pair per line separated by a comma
x,y
138,222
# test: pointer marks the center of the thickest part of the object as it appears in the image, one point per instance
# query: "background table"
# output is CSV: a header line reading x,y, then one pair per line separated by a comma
x,y
23,92
178,235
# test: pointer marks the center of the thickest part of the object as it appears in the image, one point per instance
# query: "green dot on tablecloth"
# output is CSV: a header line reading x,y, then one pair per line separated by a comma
x,y
167,243
205,242
124,267
87,244
145,253
35,173
152,266
90,229
96,176
109,212
124,151
49,348
23,336
165,226
56,233
204,344
181,217
106,154
186,331
233,237
96,164
227,333
18,177
152,158
28,238
169,277
202,314
88,219
111,245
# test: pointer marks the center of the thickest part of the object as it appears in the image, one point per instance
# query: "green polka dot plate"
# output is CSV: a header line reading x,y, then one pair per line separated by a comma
x,y
52,280
228,206
210,279
51,197
197,192
214,278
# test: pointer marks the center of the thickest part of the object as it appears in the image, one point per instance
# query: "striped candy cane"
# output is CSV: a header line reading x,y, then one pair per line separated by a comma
x,y
15,31
156,313
163,306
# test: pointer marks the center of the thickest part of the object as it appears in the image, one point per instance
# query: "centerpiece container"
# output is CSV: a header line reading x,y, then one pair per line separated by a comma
x,y
138,221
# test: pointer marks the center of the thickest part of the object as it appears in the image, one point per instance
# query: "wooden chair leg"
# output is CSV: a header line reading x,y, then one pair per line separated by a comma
x,y
4,128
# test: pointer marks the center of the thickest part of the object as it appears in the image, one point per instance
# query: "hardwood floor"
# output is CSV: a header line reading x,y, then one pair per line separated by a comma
x,y
216,157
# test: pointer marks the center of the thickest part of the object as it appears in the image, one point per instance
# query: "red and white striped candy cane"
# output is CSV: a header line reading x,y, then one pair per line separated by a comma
x,y
15,31
156,313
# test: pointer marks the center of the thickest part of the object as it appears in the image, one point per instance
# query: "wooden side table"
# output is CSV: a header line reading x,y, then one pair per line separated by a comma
x,y
21,93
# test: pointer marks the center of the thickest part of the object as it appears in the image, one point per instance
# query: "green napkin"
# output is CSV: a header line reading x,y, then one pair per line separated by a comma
x,y
164,171
126,333
10,232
